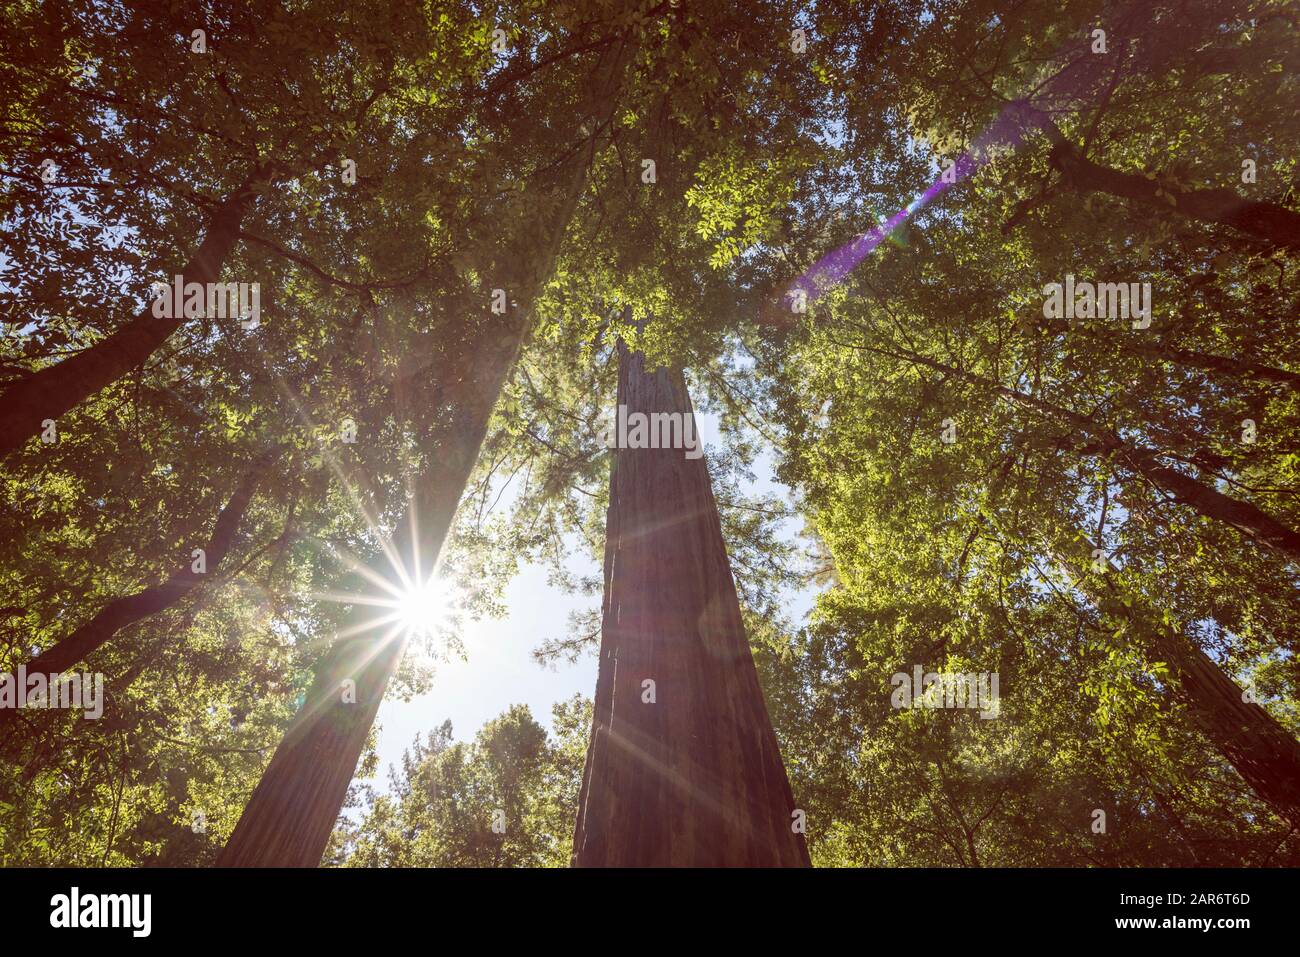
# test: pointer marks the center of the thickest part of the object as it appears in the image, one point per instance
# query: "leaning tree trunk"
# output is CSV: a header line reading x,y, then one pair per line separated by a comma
x,y
52,391
1267,221
683,767
288,820
128,609
1265,755
1221,366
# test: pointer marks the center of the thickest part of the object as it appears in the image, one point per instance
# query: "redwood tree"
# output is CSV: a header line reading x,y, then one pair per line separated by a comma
x,y
288,820
1263,752
683,767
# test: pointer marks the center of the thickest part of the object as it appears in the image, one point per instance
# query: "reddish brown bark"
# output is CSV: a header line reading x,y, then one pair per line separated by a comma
x,y
53,390
288,820
694,778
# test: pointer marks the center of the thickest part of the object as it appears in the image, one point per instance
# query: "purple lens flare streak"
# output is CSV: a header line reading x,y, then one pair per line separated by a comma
x,y
1018,119
1007,131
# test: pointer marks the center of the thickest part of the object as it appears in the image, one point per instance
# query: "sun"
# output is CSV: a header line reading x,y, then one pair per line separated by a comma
x,y
422,609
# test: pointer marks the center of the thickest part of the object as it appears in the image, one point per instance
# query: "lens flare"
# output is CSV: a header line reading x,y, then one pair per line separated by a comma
x,y
422,610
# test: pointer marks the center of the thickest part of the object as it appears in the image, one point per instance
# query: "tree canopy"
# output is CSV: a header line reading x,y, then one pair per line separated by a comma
x,y
1004,294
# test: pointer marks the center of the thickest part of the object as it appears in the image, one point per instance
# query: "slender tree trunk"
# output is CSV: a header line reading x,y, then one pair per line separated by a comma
x,y
1250,520
970,846
1268,221
53,390
693,777
1265,755
1219,365
120,612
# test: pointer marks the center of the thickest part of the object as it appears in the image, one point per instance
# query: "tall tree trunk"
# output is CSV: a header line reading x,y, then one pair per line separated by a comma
x,y
694,777
1248,519
127,610
288,820
53,390
1265,755
1268,221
